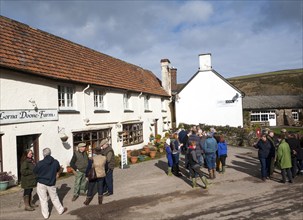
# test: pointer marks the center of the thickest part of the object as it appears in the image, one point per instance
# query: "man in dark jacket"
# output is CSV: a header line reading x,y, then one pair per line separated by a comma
x,y
108,152
47,170
294,145
263,146
79,163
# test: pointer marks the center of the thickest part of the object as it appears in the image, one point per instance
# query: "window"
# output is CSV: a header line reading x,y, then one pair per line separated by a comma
x,y
254,117
132,134
264,117
295,115
259,116
163,106
65,97
91,138
146,103
126,98
99,99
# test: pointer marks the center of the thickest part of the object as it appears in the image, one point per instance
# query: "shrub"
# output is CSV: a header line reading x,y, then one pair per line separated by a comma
x,y
6,176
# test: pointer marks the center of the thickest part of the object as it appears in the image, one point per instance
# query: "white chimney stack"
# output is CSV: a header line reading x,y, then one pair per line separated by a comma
x,y
205,62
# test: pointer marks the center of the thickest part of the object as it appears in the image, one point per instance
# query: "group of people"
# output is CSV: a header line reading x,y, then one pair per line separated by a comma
x,y
284,151
44,174
200,148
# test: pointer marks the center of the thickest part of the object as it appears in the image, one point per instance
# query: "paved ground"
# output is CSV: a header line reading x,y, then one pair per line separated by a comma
x,y
144,191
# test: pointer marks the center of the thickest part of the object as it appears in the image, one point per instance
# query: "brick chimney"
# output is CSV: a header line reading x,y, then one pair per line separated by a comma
x,y
166,75
205,62
173,79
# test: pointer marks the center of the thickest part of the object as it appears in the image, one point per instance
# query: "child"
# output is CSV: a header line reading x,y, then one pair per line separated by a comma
x,y
168,156
222,152
194,167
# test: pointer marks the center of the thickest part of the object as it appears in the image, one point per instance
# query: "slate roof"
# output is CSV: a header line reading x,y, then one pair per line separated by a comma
x,y
33,51
272,102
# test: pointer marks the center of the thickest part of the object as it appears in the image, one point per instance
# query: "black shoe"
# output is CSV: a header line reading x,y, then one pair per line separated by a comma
x,y
107,194
282,181
75,198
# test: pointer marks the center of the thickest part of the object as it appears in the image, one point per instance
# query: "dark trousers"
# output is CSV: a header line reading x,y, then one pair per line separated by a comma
x,y
175,164
91,186
195,171
109,182
223,160
27,192
265,163
289,174
294,168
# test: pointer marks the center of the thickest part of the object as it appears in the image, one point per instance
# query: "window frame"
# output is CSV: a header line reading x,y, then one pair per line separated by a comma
x,y
132,133
99,99
92,138
66,97
126,101
295,115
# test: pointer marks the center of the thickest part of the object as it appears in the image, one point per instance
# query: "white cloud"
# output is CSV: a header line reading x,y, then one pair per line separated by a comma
x,y
243,36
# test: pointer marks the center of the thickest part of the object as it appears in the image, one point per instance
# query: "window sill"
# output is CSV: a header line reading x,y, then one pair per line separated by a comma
x,y
101,111
128,111
148,111
68,111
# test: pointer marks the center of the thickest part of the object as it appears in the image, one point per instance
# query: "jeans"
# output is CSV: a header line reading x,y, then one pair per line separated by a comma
x,y
265,163
211,160
91,186
176,164
108,182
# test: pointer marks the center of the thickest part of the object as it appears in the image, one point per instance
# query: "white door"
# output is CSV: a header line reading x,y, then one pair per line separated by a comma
x,y
272,119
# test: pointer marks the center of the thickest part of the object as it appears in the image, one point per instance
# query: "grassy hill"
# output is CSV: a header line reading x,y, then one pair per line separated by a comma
x,y
284,82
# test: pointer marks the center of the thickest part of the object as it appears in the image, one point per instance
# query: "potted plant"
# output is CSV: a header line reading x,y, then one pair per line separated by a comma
x,y
151,137
5,178
152,152
134,156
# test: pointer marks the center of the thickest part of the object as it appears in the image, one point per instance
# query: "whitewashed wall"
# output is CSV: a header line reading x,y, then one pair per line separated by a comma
x,y
203,101
17,89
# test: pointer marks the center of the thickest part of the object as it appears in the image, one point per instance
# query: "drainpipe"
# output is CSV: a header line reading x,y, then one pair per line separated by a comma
x,y
85,119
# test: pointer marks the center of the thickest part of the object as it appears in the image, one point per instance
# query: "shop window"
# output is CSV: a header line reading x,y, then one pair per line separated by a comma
x,y
132,134
92,139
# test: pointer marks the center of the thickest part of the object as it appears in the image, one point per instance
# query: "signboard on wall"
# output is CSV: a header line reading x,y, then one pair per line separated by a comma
x,y
27,115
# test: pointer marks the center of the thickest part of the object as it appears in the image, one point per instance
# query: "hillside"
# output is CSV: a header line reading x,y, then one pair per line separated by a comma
x,y
285,82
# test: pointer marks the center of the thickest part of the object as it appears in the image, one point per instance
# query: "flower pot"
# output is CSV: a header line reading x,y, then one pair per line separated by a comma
x,y
134,159
3,185
152,154
128,153
143,152
146,149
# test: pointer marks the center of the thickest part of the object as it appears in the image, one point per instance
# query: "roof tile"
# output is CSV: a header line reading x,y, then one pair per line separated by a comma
x,y
41,53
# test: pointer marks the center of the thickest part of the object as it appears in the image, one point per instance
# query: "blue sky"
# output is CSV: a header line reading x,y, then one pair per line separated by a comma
x,y
244,37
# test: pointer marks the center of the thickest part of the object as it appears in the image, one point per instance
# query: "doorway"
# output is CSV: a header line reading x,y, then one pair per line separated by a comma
x,y
27,142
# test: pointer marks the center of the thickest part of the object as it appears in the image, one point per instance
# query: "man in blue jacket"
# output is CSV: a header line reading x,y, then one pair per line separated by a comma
x,y
47,170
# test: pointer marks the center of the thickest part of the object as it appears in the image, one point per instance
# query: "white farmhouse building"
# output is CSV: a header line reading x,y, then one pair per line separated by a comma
x,y
208,98
52,89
